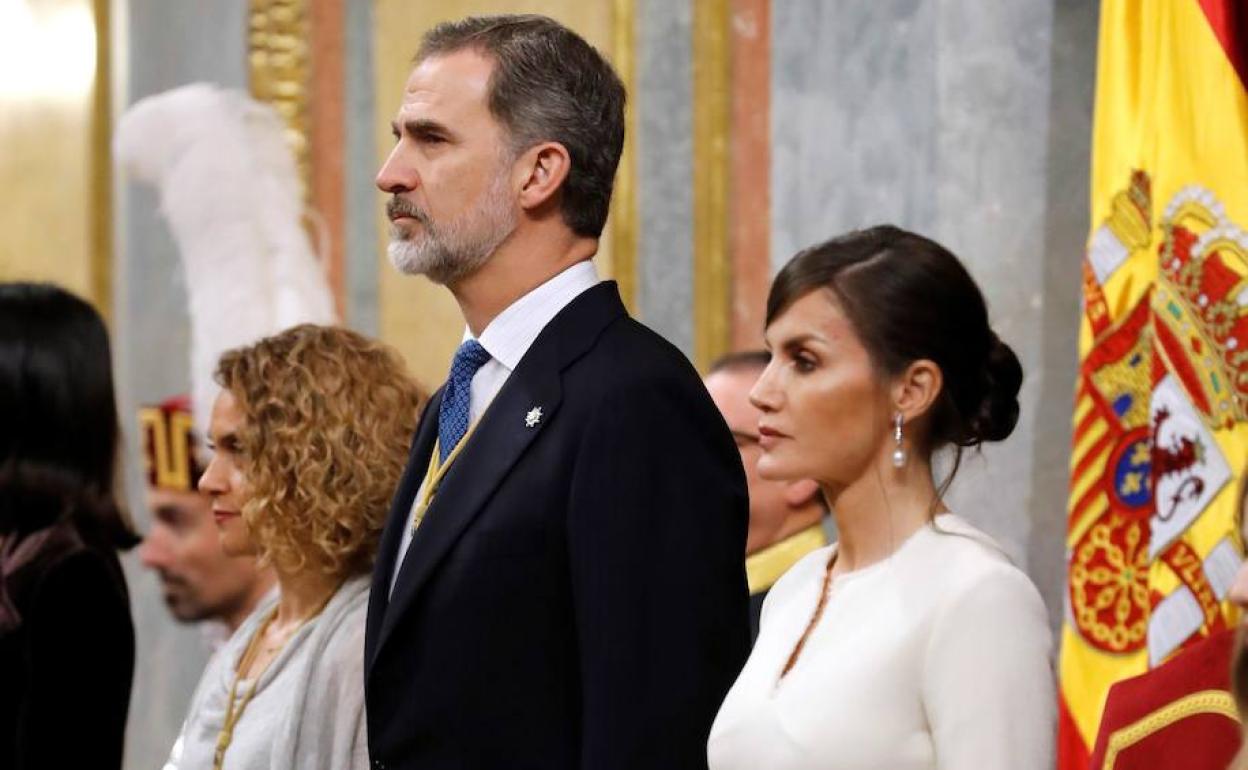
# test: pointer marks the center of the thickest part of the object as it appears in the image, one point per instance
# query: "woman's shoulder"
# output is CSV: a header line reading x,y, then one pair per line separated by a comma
x,y
963,562
350,602
342,638
333,655
964,549
71,569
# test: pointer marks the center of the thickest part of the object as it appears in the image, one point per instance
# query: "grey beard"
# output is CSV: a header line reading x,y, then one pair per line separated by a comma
x,y
430,256
467,243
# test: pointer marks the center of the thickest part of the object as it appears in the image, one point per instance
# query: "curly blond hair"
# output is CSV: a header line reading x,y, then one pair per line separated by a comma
x,y
328,416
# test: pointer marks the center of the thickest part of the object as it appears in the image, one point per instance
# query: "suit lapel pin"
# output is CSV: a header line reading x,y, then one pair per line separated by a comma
x,y
533,417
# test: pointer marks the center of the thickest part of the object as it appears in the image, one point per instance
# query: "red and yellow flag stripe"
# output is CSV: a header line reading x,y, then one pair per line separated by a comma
x,y
1161,405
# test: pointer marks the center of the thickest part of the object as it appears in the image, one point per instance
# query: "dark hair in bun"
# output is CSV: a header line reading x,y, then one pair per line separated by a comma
x,y
909,298
1003,377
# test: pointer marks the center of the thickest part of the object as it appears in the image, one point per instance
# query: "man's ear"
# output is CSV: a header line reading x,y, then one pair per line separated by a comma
x,y
544,168
916,389
799,493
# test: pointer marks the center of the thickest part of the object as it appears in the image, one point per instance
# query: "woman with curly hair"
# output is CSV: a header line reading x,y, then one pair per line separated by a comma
x,y
310,434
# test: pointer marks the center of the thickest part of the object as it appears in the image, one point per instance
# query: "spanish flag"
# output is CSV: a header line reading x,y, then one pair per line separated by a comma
x,y
1161,404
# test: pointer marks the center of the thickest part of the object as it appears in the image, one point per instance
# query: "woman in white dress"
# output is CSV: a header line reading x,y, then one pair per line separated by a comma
x,y
310,435
912,642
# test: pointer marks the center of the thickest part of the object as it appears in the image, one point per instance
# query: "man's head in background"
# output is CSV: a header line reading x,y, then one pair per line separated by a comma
x,y
778,509
182,547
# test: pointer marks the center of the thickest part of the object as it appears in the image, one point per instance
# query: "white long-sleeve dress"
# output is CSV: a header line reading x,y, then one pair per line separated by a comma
x,y
937,657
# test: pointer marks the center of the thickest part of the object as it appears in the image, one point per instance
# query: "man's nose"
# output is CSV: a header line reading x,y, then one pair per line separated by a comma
x,y
395,175
151,554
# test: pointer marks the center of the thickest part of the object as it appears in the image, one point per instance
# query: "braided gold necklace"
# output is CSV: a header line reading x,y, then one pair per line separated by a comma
x,y
252,651
814,619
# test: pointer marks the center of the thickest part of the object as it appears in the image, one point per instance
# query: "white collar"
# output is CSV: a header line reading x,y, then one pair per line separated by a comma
x,y
511,333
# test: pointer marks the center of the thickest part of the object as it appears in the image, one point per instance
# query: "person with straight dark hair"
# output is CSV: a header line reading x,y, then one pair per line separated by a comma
x,y
66,638
912,642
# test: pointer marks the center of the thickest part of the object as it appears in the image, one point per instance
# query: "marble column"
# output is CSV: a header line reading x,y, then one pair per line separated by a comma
x,y
361,260
664,97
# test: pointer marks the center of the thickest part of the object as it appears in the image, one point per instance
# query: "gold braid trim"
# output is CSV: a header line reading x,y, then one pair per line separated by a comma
x,y
1203,702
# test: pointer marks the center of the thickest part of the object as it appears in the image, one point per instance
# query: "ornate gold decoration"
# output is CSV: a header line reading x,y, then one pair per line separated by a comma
x,y
1122,377
1203,702
1111,420
167,438
624,210
1201,305
1109,584
1126,230
278,65
1129,213
711,272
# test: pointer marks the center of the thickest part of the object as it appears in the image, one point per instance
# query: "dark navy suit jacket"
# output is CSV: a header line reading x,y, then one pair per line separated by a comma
x,y
575,596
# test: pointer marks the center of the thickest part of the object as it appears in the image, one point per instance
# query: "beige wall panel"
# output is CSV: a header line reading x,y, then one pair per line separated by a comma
x,y
44,162
46,109
418,317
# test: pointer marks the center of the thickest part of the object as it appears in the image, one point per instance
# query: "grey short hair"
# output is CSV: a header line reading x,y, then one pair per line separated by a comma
x,y
549,85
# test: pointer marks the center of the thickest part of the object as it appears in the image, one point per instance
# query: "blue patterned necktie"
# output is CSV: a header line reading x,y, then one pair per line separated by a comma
x,y
457,396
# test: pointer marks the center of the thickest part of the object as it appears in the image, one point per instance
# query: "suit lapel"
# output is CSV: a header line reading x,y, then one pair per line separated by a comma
x,y
398,519
493,448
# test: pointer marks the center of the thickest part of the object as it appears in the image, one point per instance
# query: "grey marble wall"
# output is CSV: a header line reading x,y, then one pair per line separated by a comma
x,y
663,99
360,166
166,43
1072,67
968,122
853,118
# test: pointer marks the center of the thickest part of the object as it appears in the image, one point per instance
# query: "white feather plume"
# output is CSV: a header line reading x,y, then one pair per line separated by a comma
x,y
229,190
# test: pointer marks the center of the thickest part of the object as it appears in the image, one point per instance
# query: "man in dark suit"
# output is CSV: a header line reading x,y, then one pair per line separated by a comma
x,y
560,582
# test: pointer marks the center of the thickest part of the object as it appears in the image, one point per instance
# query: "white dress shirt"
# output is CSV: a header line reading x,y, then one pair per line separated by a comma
x,y
935,658
508,337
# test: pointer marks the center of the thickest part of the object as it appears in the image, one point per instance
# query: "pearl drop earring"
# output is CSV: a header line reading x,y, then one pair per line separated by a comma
x,y
899,453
